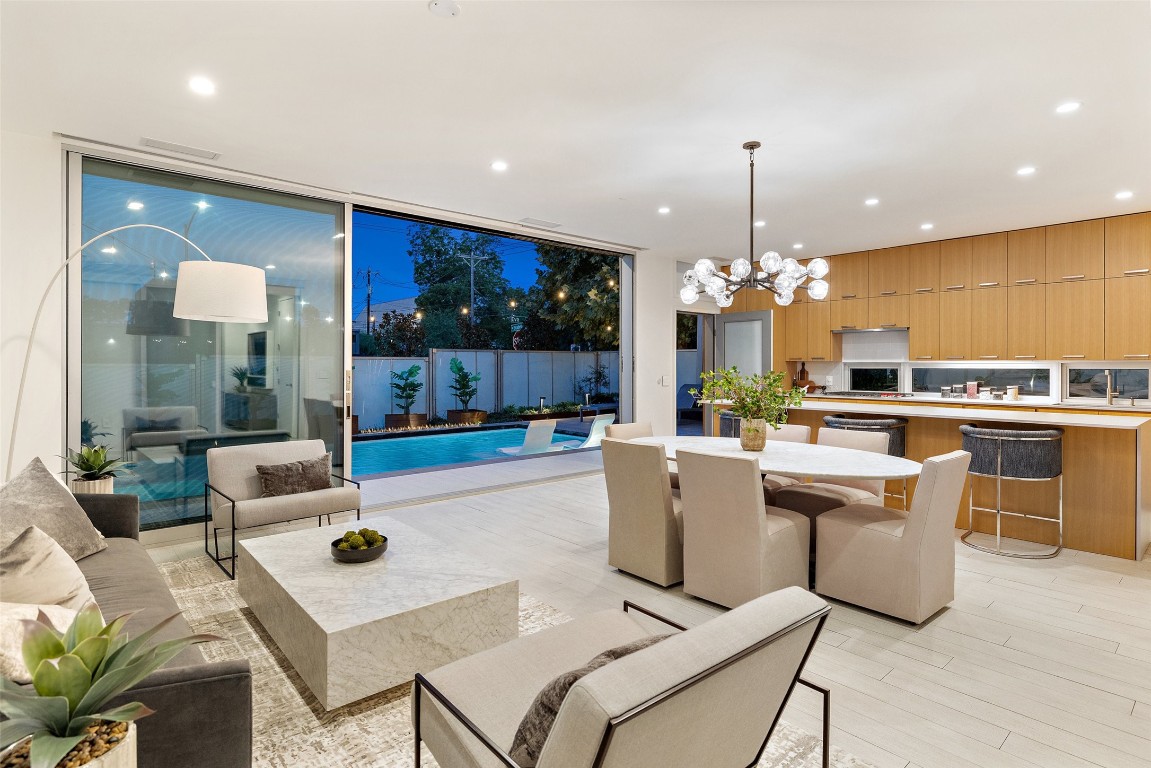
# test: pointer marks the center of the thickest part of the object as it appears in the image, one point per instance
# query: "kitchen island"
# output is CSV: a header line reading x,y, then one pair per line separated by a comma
x,y
1106,466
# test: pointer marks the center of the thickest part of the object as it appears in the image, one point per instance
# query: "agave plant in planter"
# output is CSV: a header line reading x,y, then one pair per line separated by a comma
x,y
74,675
93,469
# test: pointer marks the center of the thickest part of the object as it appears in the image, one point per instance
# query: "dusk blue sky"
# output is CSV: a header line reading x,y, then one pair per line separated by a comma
x,y
381,242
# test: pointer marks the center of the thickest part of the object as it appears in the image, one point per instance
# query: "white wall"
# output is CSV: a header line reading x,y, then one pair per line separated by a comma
x,y
656,301
31,249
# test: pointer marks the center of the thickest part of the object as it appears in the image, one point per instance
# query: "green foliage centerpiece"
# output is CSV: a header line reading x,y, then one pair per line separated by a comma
x,y
74,675
759,400
359,546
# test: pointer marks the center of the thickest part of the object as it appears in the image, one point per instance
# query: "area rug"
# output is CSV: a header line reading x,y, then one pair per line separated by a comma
x,y
291,729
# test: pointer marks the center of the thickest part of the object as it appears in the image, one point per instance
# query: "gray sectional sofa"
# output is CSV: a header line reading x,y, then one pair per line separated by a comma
x,y
203,710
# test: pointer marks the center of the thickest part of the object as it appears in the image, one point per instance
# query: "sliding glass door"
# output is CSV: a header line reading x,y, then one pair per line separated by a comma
x,y
159,391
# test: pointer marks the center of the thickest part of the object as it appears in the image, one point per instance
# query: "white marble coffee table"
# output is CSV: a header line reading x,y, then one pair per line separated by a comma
x,y
352,630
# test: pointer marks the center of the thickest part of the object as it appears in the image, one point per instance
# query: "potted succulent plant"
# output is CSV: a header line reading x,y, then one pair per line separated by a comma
x,y
95,472
61,719
405,387
760,401
464,387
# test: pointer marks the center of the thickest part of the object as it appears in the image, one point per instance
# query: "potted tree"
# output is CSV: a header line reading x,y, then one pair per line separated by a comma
x,y
61,720
95,472
241,375
760,401
464,387
405,387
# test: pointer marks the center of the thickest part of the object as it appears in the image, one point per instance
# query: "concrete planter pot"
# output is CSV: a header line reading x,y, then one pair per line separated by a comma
x,y
103,485
405,421
467,417
123,755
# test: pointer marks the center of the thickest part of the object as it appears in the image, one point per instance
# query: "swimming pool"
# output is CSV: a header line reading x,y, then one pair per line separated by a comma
x,y
395,454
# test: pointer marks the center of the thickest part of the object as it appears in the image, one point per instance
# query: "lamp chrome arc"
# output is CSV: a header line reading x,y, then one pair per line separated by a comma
x,y
781,276
244,292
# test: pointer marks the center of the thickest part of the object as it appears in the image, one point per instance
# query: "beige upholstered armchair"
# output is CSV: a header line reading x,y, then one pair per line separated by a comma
x,y
787,433
895,562
233,494
819,496
734,547
709,696
631,431
645,521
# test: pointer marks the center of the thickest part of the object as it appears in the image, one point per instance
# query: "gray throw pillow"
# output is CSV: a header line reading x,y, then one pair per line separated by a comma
x,y
295,476
34,498
317,473
541,716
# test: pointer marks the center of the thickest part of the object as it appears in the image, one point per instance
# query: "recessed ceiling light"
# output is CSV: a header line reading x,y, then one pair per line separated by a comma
x,y
109,249
499,165
798,246
270,266
1068,107
444,8
111,341
339,236
203,204
164,275
1026,170
871,201
664,210
135,205
202,85
761,223
328,319
927,226
1124,195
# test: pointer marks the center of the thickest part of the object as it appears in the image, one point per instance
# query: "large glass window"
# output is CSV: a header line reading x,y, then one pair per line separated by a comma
x,y
159,391
1031,381
1092,382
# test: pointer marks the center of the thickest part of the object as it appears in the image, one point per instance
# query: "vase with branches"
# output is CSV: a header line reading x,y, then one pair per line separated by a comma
x,y
760,401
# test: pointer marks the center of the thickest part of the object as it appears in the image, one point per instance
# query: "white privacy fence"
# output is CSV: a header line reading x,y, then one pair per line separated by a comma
x,y
506,378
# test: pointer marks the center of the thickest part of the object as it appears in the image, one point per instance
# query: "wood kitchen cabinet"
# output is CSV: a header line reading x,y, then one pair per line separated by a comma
x,y
1027,256
923,267
955,264
989,260
924,321
1026,322
989,323
1075,251
848,276
888,272
954,325
849,314
795,332
888,312
819,339
1127,329
1075,319
1127,247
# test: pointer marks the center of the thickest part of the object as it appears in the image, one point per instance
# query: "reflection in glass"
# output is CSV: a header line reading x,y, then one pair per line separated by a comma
x,y
1031,381
1092,382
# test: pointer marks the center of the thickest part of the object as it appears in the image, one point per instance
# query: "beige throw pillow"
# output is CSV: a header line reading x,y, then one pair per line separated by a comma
x,y
34,497
12,634
36,570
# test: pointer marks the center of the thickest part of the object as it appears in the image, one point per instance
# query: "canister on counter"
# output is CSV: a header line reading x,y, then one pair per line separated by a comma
x,y
1013,393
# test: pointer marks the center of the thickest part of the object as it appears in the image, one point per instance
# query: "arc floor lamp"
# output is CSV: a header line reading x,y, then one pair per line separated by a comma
x,y
215,291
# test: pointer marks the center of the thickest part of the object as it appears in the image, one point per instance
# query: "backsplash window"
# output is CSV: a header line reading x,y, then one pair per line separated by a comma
x,y
1031,381
1092,382
874,379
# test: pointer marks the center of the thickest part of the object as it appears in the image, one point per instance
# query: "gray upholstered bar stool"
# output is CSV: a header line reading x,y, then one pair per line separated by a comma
x,y
895,429
1013,454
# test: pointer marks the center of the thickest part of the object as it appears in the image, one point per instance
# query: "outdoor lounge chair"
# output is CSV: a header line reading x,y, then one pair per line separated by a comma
x,y
538,439
596,434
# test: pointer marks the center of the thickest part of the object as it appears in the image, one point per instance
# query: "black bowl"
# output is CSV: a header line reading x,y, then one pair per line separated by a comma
x,y
357,555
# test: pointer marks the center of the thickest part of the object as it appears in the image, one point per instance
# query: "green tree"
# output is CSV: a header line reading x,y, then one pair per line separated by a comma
x,y
575,300
399,334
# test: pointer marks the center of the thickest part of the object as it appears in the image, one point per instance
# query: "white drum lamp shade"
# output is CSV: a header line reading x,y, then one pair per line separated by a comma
x,y
221,292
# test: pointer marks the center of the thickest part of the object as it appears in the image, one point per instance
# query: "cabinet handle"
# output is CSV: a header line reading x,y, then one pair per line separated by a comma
x,y
1136,271
846,327
989,357
954,357
887,325
923,357
924,290
1026,281
1072,277
1025,357
989,285
1138,356
818,358
887,293
848,296
954,287
1077,357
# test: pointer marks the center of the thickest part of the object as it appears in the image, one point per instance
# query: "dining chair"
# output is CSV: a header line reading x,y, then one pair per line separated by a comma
x,y
645,521
814,498
642,429
787,433
537,439
735,548
898,563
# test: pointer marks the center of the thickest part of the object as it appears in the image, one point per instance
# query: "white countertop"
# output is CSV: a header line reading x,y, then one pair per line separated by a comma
x,y
993,413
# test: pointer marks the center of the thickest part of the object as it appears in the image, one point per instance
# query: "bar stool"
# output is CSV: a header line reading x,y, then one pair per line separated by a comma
x,y
894,428
1030,455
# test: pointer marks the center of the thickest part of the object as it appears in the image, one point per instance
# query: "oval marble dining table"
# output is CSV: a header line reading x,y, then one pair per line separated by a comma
x,y
798,459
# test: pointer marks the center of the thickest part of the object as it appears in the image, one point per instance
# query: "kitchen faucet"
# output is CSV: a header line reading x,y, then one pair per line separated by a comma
x,y
1110,394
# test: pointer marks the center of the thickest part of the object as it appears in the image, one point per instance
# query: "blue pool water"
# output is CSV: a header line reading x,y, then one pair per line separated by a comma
x,y
393,454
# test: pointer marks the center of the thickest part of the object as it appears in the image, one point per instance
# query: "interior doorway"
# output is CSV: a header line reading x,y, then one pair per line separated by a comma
x,y
694,353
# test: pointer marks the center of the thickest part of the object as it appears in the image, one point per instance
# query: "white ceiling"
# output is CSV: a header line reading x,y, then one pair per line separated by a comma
x,y
608,110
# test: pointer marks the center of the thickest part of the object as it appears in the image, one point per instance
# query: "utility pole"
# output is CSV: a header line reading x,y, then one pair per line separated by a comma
x,y
367,275
472,261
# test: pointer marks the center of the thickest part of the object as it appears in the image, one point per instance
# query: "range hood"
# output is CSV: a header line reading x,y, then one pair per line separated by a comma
x,y
872,330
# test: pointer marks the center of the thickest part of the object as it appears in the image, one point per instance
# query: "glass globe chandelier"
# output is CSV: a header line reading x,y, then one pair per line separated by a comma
x,y
781,276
